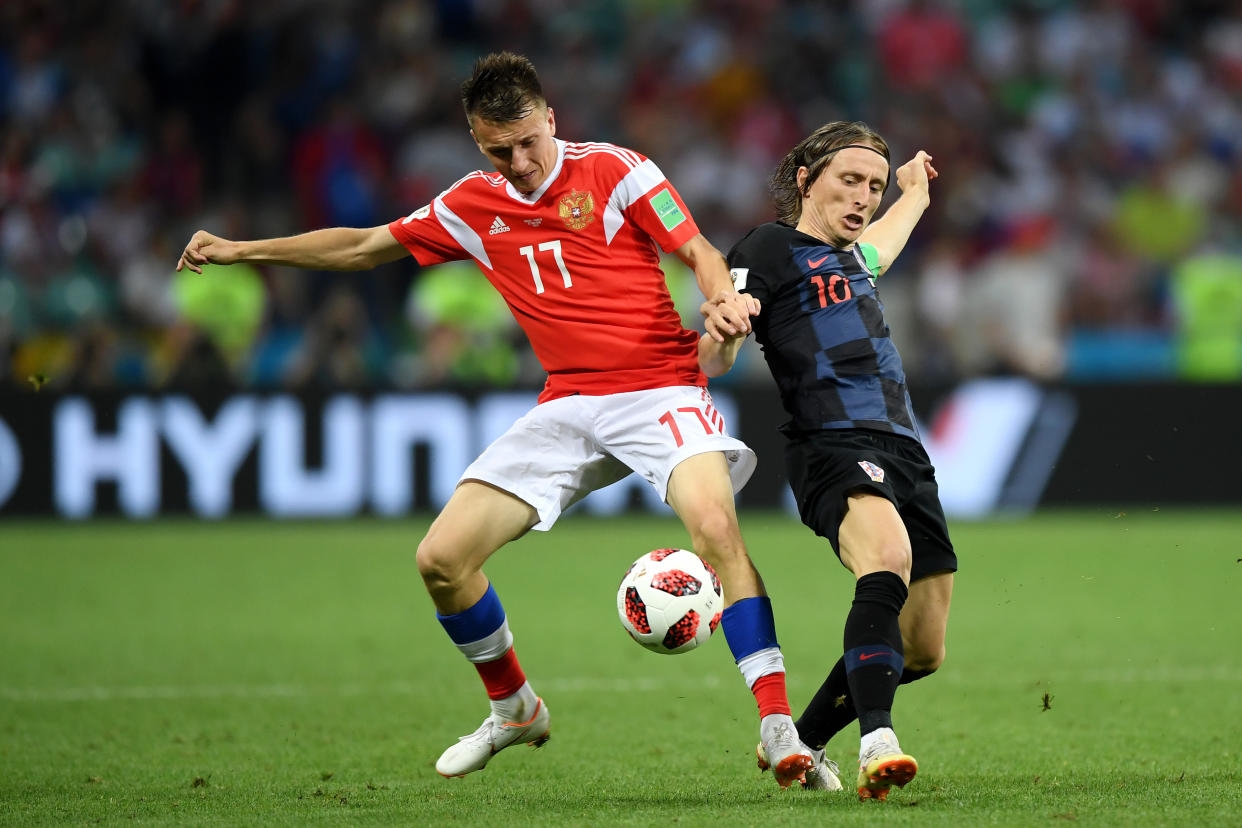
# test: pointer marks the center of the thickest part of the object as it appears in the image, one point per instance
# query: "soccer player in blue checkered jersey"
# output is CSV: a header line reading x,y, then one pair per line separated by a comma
x,y
854,458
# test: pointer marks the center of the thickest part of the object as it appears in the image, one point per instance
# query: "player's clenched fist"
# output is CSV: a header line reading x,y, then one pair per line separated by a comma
x,y
205,248
916,172
727,314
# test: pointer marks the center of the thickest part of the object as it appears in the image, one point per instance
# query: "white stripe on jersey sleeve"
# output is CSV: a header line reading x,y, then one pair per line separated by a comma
x,y
476,174
494,179
629,157
637,183
461,232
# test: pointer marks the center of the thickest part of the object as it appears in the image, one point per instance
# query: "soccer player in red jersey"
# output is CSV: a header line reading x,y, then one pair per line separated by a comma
x,y
568,234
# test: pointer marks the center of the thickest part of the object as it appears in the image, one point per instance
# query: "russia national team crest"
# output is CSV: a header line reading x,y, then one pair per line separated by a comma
x,y
873,471
577,209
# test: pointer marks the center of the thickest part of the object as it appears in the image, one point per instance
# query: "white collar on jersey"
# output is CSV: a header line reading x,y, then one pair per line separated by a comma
x,y
532,197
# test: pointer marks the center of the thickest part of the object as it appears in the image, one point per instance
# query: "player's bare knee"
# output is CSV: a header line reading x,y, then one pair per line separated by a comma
x,y
925,661
881,559
716,539
894,558
898,559
439,566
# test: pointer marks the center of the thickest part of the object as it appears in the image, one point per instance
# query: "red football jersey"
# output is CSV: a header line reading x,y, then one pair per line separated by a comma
x,y
577,262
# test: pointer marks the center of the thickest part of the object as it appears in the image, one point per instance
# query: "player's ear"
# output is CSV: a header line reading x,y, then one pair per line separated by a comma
x,y
800,179
551,121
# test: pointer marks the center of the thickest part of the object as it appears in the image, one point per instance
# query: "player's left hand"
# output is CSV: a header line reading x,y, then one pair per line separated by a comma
x,y
205,248
727,314
916,172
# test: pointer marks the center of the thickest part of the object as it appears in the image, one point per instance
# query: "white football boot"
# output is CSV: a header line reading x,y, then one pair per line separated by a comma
x,y
824,776
782,750
881,764
472,752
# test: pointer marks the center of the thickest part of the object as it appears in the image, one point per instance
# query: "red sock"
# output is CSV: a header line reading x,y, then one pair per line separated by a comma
x,y
504,677
769,691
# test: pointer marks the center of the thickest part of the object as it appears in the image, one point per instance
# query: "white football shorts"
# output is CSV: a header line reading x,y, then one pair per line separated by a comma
x,y
564,449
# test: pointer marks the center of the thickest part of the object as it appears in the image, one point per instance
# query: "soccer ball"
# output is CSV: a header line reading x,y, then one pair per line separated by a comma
x,y
670,601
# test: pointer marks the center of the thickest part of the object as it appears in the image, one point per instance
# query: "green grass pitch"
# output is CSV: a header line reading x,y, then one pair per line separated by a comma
x,y
278,672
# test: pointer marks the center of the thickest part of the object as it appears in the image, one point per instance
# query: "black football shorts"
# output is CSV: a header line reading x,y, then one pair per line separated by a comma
x,y
825,467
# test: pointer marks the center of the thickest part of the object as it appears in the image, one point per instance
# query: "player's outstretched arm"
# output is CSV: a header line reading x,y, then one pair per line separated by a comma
x,y
335,248
726,312
890,233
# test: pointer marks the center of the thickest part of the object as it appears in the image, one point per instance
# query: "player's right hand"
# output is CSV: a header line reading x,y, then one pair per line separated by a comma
x,y
916,172
204,248
727,314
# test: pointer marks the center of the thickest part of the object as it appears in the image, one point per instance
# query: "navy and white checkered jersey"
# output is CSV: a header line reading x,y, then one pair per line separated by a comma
x,y
823,333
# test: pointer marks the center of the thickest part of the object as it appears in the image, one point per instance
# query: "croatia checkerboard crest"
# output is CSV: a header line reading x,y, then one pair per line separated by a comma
x,y
873,471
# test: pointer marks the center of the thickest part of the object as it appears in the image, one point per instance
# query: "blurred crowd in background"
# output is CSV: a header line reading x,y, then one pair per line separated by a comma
x,y
1086,224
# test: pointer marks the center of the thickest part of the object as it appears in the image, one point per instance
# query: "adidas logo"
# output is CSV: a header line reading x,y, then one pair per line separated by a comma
x,y
498,226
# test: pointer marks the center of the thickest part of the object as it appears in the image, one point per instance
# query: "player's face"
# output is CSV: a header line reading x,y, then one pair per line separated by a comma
x,y
523,151
841,202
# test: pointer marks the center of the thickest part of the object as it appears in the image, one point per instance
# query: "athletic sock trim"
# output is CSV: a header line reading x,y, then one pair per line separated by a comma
x,y
502,677
770,694
749,626
476,623
757,665
869,655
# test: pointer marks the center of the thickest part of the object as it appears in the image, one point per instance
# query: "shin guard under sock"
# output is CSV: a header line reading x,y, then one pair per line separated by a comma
x,y
873,650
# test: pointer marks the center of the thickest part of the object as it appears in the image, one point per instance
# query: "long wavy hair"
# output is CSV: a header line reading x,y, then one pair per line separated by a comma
x,y
815,152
